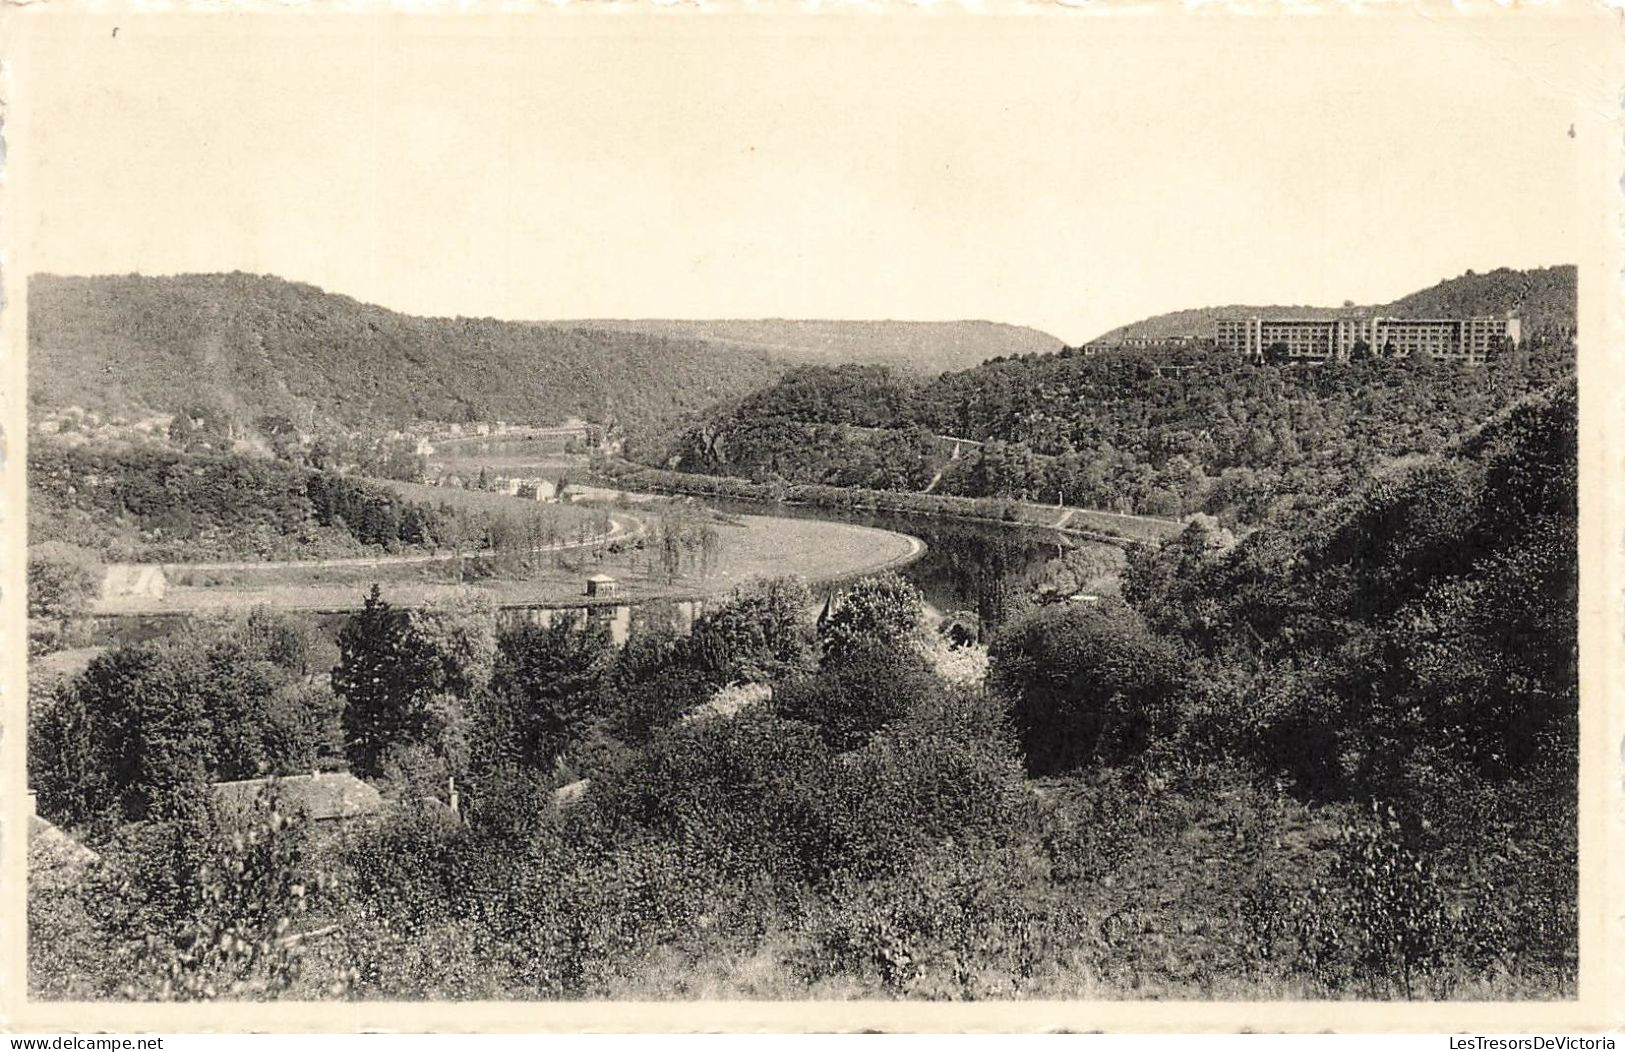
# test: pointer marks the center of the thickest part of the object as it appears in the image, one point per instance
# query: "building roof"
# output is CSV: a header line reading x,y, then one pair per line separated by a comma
x,y
601,578
336,794
570,795
48,845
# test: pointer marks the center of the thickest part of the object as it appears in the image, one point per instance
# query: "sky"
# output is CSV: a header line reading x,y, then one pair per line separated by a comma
x,y
1072,174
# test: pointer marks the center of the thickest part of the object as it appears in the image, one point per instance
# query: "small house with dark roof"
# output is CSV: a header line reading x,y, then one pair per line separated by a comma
x,y
53,855
334,797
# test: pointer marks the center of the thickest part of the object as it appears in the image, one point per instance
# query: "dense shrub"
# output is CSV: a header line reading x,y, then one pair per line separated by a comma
x,y
948,773
858,693
883,610
145,724
202,904
744,794
1086,682
61,582
761,632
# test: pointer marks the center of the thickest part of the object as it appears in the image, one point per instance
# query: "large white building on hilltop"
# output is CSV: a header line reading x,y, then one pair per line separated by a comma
x,y
1468,340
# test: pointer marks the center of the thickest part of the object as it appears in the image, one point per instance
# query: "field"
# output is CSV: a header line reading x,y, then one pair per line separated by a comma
x,y
535,465
750,546
566,517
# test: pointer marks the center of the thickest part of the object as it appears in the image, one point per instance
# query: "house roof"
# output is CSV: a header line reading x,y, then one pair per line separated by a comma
x,y
49,845
336,794
601,578
570,795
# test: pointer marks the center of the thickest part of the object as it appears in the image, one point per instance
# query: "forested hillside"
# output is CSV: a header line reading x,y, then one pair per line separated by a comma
x,y
915,347
1210,434
267,347
1413,645
1544,298
150,504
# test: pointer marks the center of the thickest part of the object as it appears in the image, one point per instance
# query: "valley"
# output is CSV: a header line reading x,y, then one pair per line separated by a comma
x,y
1106,672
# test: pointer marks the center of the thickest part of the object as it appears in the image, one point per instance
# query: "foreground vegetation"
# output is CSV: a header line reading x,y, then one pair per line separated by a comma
x,y
1335,759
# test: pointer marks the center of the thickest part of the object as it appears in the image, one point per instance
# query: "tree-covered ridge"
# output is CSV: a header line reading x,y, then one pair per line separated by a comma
x,y
1412,651
1543,297
1202,433
922,348
152,504
134,345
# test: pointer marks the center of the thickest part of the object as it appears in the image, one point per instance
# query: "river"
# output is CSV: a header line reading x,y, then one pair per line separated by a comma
x,y
970,566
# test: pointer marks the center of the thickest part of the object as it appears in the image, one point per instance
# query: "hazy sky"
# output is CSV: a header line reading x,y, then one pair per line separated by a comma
x,y
1071,174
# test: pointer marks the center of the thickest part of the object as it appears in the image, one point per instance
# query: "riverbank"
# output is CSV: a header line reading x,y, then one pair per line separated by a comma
x,y
1085,523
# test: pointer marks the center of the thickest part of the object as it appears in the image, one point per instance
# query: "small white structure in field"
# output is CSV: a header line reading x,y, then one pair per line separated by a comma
x,y
601,585
144,580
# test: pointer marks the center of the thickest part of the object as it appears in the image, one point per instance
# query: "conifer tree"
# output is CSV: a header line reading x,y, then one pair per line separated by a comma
x,y
386,677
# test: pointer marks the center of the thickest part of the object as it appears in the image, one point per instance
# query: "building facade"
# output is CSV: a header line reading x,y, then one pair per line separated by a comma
x,y
1471,341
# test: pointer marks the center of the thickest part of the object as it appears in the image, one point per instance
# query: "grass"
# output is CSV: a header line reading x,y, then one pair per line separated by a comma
x,y
757,546
544,466
1120,890
566,517
1134,527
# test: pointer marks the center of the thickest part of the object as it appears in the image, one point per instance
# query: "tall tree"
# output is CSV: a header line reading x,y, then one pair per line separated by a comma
x,y
387,677
127,740
545,688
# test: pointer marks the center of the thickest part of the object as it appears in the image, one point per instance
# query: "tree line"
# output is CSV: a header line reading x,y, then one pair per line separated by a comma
x,y
149,504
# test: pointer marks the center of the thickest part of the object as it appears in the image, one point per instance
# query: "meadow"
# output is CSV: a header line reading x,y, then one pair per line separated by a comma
x,y
748,547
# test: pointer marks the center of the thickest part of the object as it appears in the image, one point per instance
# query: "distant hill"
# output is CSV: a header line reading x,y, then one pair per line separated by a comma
x,y
1544,298
921,347
261,345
